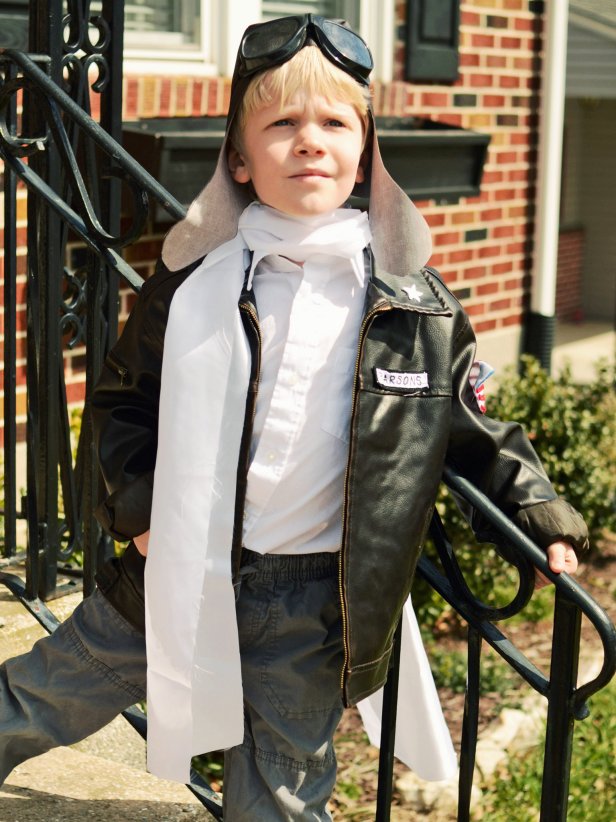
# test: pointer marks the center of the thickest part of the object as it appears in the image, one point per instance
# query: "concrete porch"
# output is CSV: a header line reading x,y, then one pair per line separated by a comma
x,y
582,345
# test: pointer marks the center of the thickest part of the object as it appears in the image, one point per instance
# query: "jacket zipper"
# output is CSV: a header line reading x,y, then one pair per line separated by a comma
x,y
252,314
121,370
255,323
380,308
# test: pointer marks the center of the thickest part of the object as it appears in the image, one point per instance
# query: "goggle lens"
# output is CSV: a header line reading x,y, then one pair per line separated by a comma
x,y
349,44
270,37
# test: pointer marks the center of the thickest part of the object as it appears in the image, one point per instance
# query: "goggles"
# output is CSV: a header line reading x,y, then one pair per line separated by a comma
x,y
265,45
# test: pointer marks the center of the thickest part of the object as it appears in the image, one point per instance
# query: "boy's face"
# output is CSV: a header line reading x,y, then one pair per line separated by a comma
x,y
302,159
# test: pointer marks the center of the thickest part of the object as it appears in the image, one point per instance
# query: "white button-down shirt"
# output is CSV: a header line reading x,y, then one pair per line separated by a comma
x,y
310,318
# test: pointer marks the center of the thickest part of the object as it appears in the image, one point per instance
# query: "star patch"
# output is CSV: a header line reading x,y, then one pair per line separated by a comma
x,y
413,293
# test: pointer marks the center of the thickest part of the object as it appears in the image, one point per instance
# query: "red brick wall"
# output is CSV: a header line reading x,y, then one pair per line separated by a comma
x,y
21,296
569,274
480,243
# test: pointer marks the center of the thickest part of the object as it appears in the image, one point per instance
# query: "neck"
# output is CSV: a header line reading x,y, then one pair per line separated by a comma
x,y
311,221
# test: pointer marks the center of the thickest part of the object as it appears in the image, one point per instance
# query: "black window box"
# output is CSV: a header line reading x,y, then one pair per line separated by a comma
x,y
14,25
429,160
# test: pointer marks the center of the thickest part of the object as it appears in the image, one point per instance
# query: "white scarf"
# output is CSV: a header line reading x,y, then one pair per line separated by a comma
x,y
342,233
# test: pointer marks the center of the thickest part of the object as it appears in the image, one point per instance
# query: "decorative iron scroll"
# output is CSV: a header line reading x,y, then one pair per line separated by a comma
x,y
80,188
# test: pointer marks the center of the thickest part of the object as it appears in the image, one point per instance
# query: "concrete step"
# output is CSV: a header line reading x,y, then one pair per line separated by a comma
x,y
101,778
66,785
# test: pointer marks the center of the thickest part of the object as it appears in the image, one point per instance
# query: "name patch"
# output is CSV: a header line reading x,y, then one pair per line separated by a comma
x,y
401,379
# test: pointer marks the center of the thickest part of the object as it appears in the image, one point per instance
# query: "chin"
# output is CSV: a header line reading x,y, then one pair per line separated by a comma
x,y
316,209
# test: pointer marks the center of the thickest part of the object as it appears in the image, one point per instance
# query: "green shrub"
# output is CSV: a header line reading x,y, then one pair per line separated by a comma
x,y
592,791
573,429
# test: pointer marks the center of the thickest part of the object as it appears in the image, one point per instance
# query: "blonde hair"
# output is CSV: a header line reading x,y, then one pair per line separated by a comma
x,y
308,72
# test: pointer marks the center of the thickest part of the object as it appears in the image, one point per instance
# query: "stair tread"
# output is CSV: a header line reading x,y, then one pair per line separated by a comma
x,y
67,785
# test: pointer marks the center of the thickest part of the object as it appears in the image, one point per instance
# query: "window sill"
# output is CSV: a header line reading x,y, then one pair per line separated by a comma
x,y
167,64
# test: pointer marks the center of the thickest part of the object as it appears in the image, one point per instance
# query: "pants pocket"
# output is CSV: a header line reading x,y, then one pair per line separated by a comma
x,y
301,671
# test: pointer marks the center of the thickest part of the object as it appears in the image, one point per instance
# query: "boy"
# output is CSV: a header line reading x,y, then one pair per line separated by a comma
x,y
277,411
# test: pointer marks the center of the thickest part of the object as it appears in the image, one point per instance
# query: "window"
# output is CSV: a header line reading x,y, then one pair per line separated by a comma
x,y
201,36
179,24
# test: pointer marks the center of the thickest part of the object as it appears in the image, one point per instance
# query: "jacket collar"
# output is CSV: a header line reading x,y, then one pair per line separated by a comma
x,y
417,291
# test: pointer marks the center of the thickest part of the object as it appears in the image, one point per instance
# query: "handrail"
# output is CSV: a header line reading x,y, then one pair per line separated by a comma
x,y
85,224
95,131
564,583
110,257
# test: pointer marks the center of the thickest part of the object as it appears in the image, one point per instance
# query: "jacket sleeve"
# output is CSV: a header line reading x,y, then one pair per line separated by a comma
x,y
500,460
125,411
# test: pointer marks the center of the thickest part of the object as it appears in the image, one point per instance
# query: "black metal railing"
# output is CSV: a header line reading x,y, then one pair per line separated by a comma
x,y
74,169
566,700
78,170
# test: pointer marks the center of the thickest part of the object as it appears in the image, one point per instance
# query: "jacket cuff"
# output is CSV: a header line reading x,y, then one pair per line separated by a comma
x,y
126,513
553,521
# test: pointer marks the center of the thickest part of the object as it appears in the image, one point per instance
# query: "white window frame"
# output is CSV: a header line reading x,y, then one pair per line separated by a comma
x,y
222,24
377,25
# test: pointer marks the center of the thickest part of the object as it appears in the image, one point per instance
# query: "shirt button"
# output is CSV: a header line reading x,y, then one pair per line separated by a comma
x,y
293,379
271,456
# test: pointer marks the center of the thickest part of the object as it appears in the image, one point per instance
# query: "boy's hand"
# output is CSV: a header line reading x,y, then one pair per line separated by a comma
x,y
561,557
141,543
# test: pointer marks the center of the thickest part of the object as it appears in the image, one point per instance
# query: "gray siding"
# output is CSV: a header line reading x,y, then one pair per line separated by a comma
x,y
597,199
591,64
571,211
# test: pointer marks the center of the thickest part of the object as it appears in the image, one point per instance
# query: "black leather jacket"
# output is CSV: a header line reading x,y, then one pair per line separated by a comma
x,y
413,410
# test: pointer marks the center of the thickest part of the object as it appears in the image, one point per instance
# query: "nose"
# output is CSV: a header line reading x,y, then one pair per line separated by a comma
x,y
308,142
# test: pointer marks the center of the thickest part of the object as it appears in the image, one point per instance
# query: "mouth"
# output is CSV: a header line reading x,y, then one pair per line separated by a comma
x,y
308,174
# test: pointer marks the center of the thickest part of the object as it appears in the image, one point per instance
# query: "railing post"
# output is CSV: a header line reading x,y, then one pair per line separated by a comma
x,y
102,294
10,346
560,718
43,297
469,725
388,732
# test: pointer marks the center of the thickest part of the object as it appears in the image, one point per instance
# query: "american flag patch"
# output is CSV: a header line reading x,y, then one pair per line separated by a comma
x,y
480,372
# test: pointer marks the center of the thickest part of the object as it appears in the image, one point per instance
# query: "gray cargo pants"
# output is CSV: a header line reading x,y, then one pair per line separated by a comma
x,y
93,666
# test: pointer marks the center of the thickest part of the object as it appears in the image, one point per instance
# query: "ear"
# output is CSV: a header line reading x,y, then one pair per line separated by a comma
x,y
360,176
237,166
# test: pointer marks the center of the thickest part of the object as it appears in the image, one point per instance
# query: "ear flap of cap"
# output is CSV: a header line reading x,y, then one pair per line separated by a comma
x,y
211,219
401,239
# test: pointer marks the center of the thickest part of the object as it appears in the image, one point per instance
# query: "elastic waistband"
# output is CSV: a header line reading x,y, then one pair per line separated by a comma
x,y
289,566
